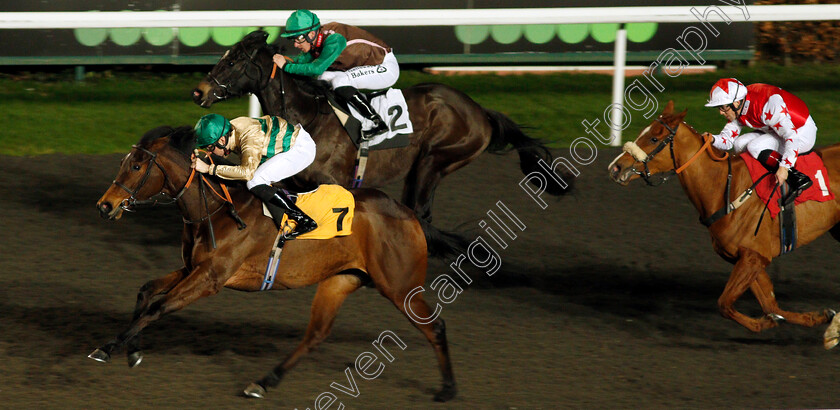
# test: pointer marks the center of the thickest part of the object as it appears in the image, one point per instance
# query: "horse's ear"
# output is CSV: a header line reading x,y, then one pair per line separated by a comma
x,y
681,115
258,36
669,108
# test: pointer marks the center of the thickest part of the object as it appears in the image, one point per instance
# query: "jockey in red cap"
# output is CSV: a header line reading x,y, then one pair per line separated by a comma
x,y
783,127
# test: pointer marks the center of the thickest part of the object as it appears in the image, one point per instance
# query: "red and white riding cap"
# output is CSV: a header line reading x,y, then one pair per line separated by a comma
x,y
726,91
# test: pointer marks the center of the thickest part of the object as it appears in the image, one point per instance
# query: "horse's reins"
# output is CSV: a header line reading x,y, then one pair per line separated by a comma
x,y
639,155
282,88
283,95
227,87
132,201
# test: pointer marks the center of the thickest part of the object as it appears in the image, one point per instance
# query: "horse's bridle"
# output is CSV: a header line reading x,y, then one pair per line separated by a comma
x,y
642,157
130,202
227,88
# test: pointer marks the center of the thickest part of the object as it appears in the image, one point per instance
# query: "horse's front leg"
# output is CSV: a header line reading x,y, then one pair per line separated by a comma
x,y
199,283
147,292
750,264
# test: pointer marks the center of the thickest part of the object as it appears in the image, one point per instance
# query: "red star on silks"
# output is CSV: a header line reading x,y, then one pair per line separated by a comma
x,y
778,125
785,111
734,133
768,115
787,162
789,139
724,140
796,152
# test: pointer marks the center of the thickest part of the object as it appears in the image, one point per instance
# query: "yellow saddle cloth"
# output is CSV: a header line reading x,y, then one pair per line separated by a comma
x,y
331,206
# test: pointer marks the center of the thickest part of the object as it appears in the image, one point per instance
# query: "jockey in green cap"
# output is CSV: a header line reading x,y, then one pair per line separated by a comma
x,y
345,56
269,149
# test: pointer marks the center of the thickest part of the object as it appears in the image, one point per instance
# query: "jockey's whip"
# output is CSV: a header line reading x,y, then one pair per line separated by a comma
x,y
765,208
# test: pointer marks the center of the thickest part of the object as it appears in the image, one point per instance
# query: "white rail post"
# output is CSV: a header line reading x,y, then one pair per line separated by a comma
x,y
620,57
254,109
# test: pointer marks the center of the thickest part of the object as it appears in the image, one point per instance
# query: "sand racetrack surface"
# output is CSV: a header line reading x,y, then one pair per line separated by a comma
x,y
608,299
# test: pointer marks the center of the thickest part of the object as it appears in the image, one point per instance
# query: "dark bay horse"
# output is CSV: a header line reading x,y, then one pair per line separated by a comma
x,y
670,144
450,129
387,249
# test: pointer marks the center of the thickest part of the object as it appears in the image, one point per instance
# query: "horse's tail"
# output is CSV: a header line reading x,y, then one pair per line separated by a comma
x,y
441,243
531,150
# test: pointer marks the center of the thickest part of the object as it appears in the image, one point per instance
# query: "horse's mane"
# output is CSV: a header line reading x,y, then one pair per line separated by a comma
x,y
181,138
257,40
311,85
668,117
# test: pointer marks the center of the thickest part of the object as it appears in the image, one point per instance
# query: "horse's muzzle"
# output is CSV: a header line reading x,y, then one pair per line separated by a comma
x,y
619,172
107,211
202,94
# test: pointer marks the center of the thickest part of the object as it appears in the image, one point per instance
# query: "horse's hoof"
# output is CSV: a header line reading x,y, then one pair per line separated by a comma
x,y
776,317
135,358
448,393
100,356
255,390
831,337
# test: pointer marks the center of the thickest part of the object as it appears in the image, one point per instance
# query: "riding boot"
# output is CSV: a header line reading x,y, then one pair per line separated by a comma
x,y
278,203
797,182
361,104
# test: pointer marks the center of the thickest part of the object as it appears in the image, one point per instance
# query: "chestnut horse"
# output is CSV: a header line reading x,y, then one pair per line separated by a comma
x,y
669,144
386,249
450,129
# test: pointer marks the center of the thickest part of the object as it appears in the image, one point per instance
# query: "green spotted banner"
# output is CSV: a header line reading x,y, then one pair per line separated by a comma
x,y
437,42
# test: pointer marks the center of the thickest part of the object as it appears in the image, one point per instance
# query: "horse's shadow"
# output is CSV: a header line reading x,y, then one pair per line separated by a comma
x,y
74,328
679,306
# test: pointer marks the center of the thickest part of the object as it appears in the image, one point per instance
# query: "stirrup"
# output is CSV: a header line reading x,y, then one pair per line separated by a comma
x,y
299,228
376,130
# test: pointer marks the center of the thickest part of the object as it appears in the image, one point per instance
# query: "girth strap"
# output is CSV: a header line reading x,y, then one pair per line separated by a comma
x,y
731,206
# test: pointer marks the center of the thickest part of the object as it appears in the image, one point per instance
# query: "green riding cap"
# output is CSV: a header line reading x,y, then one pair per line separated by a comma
x,y
301,22
210,128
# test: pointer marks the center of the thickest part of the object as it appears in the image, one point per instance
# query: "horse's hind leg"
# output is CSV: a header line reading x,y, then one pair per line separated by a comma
x,y
428,171
330,295
435,333
835,232
419,190
745,273
762,288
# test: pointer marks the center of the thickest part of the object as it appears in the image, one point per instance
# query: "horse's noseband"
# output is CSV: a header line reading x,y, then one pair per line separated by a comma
x,y
227,88
640,156
130,202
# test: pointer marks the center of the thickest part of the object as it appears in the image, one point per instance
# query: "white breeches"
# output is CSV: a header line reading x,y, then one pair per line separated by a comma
x,y
755,142
285,164
367,77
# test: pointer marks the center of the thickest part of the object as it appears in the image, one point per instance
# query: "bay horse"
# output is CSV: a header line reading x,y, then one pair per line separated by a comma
x,y
386,249
670,144
450,129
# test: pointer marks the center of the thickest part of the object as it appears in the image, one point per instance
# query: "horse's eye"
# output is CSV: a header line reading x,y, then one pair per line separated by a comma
x,y
230,63
136,167
654,140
